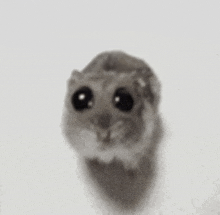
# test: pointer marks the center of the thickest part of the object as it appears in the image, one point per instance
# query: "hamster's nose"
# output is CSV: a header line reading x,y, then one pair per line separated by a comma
x,y
101,120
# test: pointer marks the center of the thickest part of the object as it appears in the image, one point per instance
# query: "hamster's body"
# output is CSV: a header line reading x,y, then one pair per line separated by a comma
x,y
111,118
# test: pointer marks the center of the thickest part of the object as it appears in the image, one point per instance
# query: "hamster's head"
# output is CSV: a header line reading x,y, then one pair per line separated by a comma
x,y
109,116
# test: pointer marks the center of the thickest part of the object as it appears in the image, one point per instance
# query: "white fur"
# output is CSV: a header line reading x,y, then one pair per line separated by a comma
x,y
85,142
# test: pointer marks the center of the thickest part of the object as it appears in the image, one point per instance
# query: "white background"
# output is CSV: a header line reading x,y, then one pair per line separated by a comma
x,y
41,42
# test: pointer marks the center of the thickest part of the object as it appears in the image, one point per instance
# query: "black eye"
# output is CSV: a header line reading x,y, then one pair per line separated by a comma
x,y
82,99
123,100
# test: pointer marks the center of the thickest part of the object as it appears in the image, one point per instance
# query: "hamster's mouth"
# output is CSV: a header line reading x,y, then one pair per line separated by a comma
x,y
104,137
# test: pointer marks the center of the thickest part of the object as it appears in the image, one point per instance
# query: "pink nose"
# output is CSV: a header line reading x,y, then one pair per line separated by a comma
x,y
101,120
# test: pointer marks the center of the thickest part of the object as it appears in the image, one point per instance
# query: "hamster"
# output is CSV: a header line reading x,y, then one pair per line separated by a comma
x,y
111,119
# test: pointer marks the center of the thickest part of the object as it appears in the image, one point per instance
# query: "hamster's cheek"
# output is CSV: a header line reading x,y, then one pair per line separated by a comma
x,y
86,143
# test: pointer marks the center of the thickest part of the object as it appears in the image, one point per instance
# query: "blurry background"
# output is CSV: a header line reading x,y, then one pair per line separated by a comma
x,y
41,42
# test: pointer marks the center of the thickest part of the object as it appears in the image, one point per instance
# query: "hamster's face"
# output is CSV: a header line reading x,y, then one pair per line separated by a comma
x,y
107,118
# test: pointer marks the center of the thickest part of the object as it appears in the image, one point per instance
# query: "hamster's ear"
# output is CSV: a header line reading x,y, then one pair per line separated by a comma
x,y
149,86
75,76
155,89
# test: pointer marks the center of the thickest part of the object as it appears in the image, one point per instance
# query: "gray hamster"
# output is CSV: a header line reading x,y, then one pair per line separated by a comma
x,y
111,119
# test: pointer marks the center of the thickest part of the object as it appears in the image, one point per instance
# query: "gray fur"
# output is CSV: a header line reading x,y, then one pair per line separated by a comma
x,y
125,185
